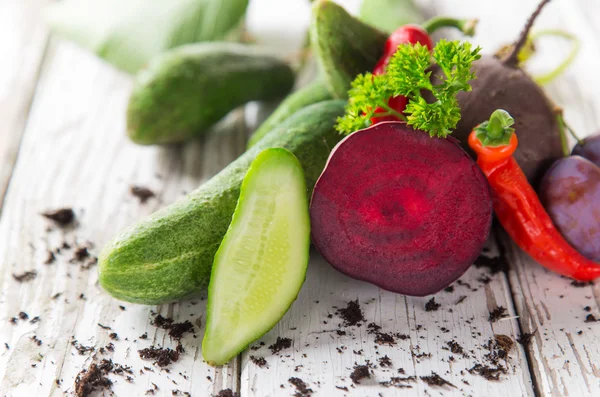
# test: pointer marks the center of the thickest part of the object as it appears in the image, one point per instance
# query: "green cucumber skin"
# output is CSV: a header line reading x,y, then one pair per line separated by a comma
x,y
345,47
186,90
245,191
168,256
313,93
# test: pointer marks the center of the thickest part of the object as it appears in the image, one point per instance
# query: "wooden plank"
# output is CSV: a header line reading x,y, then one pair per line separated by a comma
x,y
23,39
75,154
564,348
324,353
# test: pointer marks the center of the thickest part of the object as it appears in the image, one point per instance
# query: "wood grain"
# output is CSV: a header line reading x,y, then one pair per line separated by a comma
x,y
75,154
23,39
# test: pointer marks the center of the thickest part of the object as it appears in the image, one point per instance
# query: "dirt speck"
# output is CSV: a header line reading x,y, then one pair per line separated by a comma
x,y
62,217
436,380
302,389
142,193
432,305
352,314
359,373
280,344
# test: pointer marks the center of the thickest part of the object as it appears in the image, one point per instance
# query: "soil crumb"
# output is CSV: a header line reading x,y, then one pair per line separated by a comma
x,y
142,193
259,361
62,217
581,284
352,314
360,372
280,344
494,265
385,361
436,380
497,314
25,276
161,356
525,338
302,389
432,305
93,379
590,318
226,393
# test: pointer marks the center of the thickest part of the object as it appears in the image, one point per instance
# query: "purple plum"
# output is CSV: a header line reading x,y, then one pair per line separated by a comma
x,y
589,148
570,192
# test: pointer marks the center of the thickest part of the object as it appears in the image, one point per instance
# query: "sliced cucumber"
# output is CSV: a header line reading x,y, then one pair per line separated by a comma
x,y
261,263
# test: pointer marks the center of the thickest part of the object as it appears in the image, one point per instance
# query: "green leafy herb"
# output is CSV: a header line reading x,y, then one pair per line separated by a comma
x,y
408,75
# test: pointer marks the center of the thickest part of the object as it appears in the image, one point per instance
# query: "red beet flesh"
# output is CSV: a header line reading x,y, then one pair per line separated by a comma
x,y
397,208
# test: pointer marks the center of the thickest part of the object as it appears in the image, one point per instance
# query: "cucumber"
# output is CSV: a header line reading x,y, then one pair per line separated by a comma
x,y
186,90
344,46
261,264
315,92
168,256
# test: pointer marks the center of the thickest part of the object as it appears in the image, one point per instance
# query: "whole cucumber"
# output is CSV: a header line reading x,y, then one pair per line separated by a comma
x,y
186,90
314,92
168,256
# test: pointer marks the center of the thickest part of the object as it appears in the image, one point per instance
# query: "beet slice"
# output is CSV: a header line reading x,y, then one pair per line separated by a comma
x,y
397,208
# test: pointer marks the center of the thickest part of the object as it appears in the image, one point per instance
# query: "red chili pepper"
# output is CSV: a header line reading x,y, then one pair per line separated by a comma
x,y
516,204
404,34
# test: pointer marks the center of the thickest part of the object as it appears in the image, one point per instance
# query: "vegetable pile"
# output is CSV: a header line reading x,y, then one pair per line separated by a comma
x,y
399,202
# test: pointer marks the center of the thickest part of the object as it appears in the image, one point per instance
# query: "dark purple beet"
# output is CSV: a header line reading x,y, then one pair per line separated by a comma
x,y
400,209
589,148
499,86
570,192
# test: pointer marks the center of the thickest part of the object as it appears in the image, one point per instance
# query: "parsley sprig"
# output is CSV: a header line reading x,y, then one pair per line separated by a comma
x,y
408,74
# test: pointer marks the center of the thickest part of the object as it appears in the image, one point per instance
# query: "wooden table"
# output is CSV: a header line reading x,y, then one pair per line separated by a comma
x,y
62,144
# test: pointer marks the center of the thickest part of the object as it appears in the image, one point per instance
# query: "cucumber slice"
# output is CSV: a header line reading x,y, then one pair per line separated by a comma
x,y
261,263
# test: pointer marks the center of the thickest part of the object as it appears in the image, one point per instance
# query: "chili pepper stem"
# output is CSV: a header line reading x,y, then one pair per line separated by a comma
x,y
466,26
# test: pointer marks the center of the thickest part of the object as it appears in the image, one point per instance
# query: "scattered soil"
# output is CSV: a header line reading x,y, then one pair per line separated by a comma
x,y
455,347
497,314
360,372
93,379
449,289
436,380
161,356
81,349
62,217
259,361
381,338
25,276
176,330
432,305
280,344
590,318
352,314
226,393
460,299
494,265
80,254
525,338
505,342
302,389
399,382
142,193
581,284
488,372
50,258
385,361
587,309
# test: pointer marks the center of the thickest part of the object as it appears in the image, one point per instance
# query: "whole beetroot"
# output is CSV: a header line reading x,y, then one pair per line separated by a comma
x,y
501,84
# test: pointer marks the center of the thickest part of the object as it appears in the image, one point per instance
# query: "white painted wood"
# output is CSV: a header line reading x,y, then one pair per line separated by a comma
x,y
324,359
22,42
75,154
564,352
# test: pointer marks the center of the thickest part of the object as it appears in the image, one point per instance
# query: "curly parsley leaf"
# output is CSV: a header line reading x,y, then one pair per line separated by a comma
x,y
409,74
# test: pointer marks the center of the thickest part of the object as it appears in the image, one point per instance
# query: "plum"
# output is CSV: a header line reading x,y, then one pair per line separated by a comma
x,y
570,192
589,148
399,209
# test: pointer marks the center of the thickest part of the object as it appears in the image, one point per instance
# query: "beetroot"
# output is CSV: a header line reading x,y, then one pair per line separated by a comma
x,y
501,84
400,209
